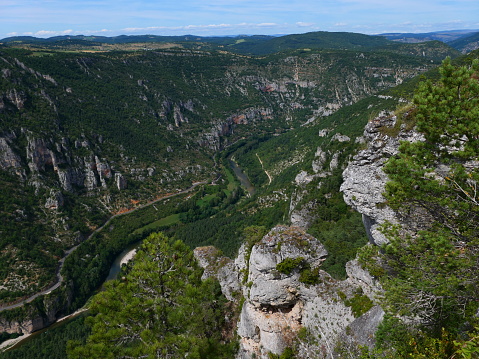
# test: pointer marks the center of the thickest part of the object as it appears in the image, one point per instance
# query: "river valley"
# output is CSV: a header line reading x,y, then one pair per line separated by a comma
x,y
126,255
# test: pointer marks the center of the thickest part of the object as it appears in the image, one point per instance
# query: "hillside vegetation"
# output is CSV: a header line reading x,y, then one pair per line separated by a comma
x,y
257,45
85,135
467,43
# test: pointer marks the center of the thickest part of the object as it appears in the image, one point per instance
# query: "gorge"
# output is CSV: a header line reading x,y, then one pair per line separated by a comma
x,y
89,139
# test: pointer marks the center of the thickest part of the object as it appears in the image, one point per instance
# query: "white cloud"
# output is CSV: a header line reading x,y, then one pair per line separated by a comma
x,y
231,27
48,33
211,26
304,24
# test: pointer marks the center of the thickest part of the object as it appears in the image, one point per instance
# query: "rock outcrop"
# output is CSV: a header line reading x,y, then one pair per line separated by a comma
x,y
364,179
222,268
32,319
9,159
214,137
45,155
288,300
55,201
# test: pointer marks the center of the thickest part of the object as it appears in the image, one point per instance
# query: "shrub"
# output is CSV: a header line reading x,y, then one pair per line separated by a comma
x,y
289,264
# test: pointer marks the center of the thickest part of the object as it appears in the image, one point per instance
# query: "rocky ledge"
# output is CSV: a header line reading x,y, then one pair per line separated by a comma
x,y
288,301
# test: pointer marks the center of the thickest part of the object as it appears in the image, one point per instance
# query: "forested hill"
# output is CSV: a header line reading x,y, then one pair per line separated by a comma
x,y
242,44
87,134
466,44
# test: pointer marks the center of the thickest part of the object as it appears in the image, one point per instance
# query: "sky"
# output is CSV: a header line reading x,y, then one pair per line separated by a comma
x,y
46,18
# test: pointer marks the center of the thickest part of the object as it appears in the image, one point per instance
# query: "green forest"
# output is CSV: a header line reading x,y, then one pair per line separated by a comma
x,y
84,112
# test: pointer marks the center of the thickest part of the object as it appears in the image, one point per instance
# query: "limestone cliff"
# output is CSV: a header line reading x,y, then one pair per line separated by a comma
x,y
8,158
288,300
364,179
37,315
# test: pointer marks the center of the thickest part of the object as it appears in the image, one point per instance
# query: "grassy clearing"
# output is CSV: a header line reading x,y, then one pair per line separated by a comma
x,y
41,53
156,225
205,200
232,181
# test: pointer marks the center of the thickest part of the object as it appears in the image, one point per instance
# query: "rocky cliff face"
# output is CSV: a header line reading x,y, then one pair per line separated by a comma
x,y
31,317
45,155
288,300
9,160
322,166
364,179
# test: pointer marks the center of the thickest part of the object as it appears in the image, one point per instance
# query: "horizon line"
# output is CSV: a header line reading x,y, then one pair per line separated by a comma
x,y
238,34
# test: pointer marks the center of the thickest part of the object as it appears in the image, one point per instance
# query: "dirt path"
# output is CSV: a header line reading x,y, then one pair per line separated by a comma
x,y
267,174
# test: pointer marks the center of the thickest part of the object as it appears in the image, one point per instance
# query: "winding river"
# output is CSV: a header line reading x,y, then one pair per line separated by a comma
x,y
242,177
59,277
123,257
115,268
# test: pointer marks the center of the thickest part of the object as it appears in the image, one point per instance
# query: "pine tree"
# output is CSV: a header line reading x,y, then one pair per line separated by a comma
x,y
432,273
161,309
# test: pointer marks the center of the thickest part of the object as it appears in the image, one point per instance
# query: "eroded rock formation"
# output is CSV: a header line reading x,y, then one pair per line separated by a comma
x,y
364,179
285,308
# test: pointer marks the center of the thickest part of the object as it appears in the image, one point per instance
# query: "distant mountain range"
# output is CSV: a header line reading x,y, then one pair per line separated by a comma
x,y
444,36
461,40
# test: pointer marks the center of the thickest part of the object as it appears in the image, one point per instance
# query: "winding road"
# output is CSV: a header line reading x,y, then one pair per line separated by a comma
x,y
59,279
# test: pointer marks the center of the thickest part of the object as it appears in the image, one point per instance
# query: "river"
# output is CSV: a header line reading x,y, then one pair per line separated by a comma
x,y
123,257
59,280
242,177
115,268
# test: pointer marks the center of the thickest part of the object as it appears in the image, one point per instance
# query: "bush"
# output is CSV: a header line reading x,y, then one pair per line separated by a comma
x,y
289,264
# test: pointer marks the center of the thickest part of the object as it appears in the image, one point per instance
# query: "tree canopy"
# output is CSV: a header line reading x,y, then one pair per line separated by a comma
x,y
430,276
440,174
160,309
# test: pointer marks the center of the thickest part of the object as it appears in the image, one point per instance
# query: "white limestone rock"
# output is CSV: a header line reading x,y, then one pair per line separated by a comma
x,y
304,216
267,330
278,305
91,181
319,160
334,161
120,181
55,201
364,179
303,178
271,287
222,268
341,138
360,277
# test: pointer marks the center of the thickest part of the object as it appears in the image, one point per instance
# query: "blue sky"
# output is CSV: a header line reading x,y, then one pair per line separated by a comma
x,y
45,18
